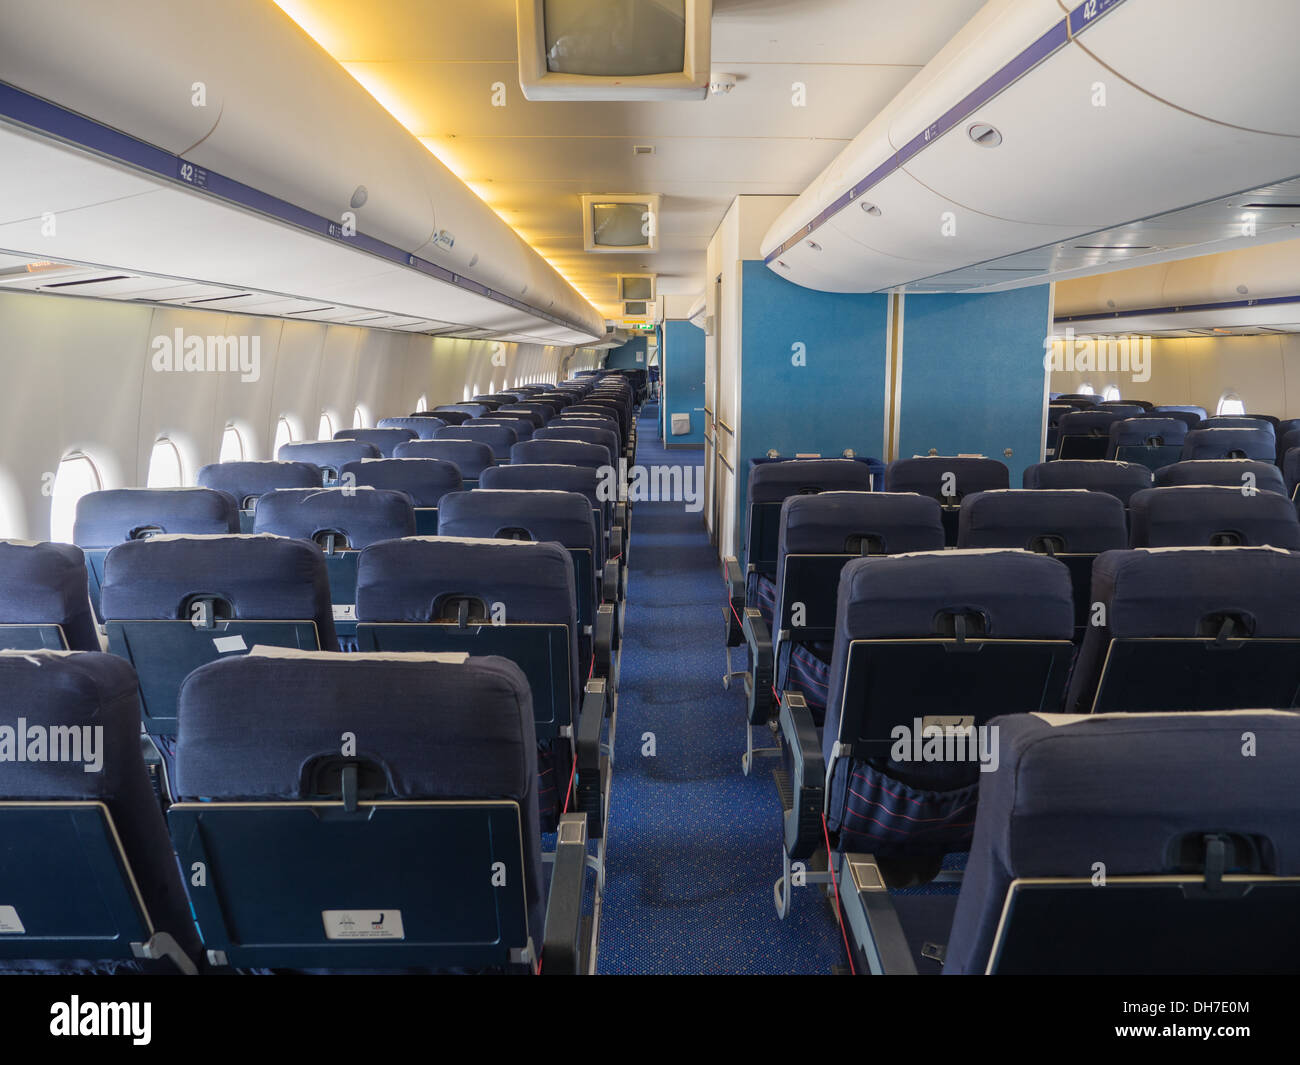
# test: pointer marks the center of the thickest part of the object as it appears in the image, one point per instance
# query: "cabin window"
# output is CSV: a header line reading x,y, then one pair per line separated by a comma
x,y
1111,394
325,431
358,418
465,396
77,475
232,446
1230,404
165,469
1087,390
421,404
283,435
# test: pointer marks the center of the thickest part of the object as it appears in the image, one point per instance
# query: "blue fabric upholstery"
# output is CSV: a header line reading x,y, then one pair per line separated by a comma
x,y
450,417
1124,410
1192,515
1291,470
328,454
385,438
523,427
587,434
925,475
1138,432
248,480
559,453
94,690
1192,414
1087,523
423,427
474,410
1122,788
425,481
555,478
1120,479
500,438
544,411
1088,422
878,804
437,730
1228,472
820,524
773,482
363,515
45,584
532,417
1255,444
263,578
116,515
471,457
1243,421
564,517
1169,593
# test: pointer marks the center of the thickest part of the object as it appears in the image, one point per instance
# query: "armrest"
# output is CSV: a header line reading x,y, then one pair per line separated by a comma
x,y
760,665
602,639
590,787
609,583
616,542
620,515
562,945
871,917
735,579
803,824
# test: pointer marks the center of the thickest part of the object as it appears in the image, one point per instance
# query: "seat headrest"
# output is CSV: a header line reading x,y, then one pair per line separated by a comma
x,y
424,480
1207,515
470,457
928,475
1230,472
423,427
116,515
559,452
45,584
773,482
1072,521
245,480
825,523
383,438
1120,479
330,453
564,517
363,515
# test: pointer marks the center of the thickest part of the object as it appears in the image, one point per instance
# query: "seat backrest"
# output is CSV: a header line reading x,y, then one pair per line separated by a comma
x,y
523,427
354,517
470,457
1167,594
1235,473
1124,410
42,594
474,410
1241,421
1190,413
425,481
1212,516
529,477
1120,479
562,517
1291,470
64,890
450,417
259,577
431,728
422,426
836,527
1056,522
1143,793
1080,432
1130,432
386,439
500,438
329,455
513,582
587,434
533,417
1255,444
559,452
248,480
771,483
947,478
116,515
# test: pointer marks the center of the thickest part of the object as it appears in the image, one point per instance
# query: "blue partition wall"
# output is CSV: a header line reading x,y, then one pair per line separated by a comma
x,y
836,400
972,375
682,358
629,356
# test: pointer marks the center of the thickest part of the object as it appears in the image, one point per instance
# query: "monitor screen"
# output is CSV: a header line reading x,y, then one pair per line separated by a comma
x,y
636,310
619,225
638,288
615,38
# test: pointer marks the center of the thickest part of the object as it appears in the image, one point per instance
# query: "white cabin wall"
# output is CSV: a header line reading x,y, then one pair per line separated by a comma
x,y
1263,370
80,377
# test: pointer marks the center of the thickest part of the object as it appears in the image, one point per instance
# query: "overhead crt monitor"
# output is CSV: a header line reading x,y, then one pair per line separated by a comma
x,y
636,286
622,223
614,49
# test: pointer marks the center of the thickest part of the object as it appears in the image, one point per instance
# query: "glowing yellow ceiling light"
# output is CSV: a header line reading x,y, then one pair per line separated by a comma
x,y
390,99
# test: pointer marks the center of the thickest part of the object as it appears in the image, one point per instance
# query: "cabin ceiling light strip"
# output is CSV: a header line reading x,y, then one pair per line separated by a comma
x,y
32,112
1079,19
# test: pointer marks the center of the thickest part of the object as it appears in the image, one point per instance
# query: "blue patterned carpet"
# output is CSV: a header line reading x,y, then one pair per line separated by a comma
x,y
694,845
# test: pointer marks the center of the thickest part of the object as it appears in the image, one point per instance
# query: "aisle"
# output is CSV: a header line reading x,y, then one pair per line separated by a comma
x,y
694,845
